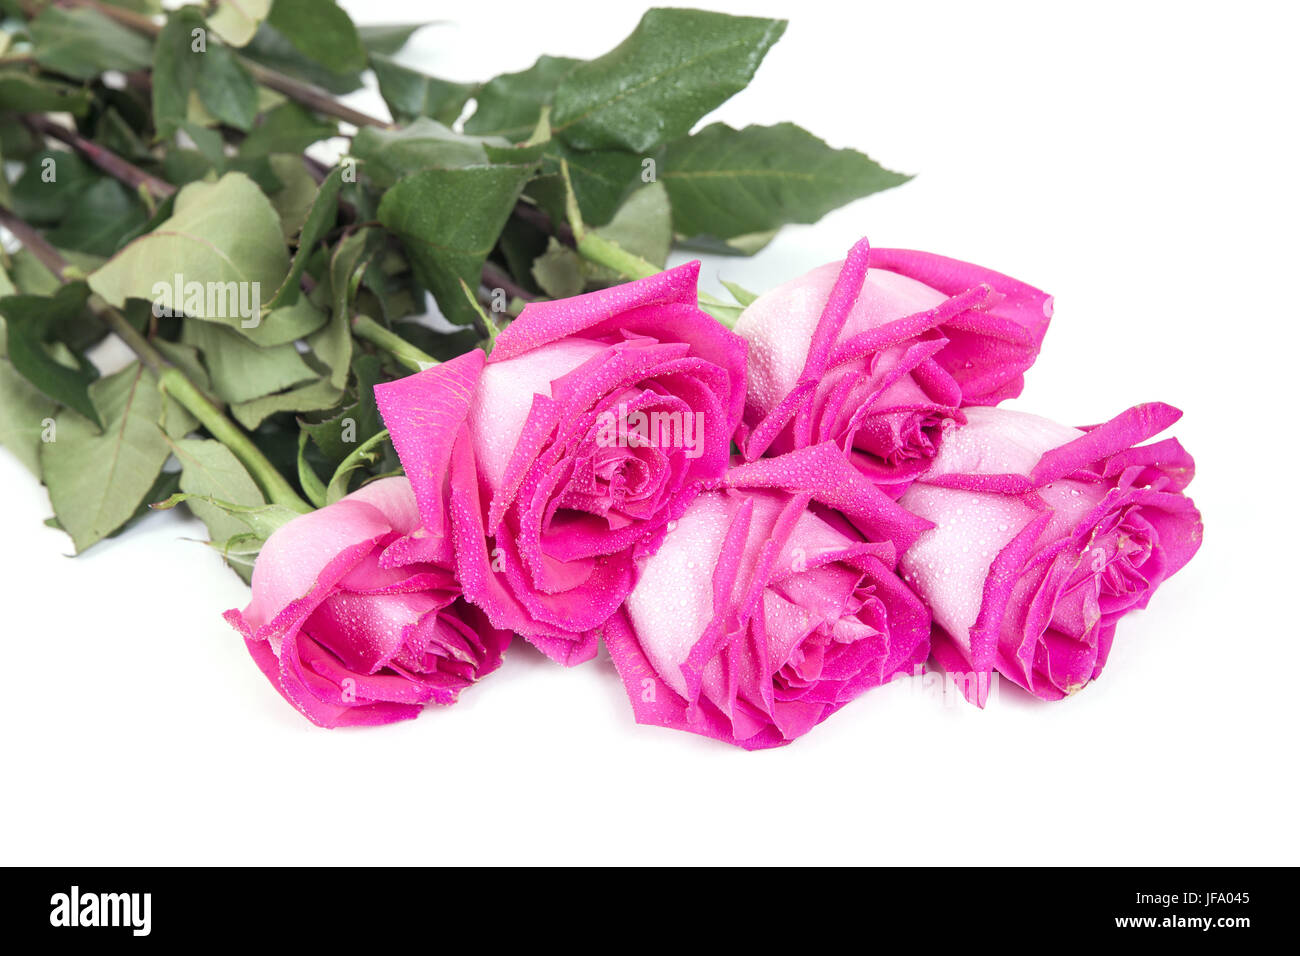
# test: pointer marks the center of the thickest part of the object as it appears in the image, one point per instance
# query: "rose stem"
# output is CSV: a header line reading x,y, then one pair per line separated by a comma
x,y
605,252
304,93
494,277
170,378
364,327
108,161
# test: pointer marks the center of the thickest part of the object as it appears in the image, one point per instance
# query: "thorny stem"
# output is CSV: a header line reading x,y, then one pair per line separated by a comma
x,y
170,379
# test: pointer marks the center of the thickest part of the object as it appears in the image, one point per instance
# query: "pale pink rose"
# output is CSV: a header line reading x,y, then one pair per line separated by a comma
x,y
1045,536
562,455
347,636
772,603
881,352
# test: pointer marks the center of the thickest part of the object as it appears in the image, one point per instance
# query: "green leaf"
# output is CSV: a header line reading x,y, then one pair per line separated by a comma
x,y
7,288
186,358
320,219
165,484
448,221
520,244
390,154
209,142
22,92
332,345
210,470
286,129
239,370
235,21
272,48
312,397
175,68
96,223
287,323
51,184
81,42
410,93
30,322
219,233
601,178
294,199
226,89
240,553
150,7
98,480
739,293
180,167
676,66
261,520
337,435
725,182
23,414
321,31
387,38
121,126
749,244
511,104
559,271
643,224
310,482
367,453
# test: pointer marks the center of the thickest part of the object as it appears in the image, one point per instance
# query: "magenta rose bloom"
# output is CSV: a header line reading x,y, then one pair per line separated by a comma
x,y
1045,536
349,638
563,454
879,354
767,609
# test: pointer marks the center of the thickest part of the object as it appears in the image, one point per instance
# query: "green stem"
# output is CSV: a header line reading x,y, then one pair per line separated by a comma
x,y
364,327
605,252
277,489
596,248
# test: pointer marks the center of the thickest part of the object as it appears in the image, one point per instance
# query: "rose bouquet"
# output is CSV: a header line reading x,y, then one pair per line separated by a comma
x,y
762,507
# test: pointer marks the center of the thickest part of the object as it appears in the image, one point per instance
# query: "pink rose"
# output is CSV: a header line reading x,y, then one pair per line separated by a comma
x,y
563,454
1045,537
771,604
349,638
880,353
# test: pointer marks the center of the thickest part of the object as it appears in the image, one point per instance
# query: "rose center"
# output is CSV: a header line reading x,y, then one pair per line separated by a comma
x,y
898,437
838,647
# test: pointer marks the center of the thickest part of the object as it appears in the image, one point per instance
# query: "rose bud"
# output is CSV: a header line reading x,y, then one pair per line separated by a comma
x,y
589,427
348,639
879,354
1045,536
765,611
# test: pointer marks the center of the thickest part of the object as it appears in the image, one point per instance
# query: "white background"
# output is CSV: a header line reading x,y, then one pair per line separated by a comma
x,y
1138,161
